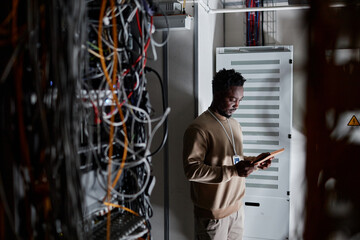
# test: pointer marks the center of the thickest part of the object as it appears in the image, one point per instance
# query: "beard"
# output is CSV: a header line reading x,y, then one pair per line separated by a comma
x,y
222,113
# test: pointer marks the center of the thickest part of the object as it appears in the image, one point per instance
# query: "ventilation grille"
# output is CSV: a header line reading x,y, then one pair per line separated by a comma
x,y
264,114
259,115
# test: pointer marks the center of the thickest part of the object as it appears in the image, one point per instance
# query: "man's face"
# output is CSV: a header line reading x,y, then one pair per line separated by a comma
x,y
227,102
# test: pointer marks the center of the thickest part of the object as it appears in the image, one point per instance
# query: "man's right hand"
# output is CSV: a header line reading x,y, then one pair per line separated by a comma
x,y
244,168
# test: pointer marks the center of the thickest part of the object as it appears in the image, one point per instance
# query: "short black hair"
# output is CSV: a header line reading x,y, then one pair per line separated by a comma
x,y
226,78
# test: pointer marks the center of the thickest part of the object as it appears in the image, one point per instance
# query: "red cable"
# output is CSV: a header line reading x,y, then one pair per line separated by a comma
x,y
140,57
138,21
97,120
145,48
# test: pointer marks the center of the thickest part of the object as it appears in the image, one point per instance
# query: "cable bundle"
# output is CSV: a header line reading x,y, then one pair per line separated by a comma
x,y
253,24
118,126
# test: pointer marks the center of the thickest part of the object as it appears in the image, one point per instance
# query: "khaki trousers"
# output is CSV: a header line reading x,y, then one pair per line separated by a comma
x,y
227,228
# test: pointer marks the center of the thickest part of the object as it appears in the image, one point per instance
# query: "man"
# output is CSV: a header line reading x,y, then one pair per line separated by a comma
x,y
214,162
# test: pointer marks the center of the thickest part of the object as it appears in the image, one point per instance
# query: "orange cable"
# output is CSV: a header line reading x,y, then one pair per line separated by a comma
x,y
114,82
111,85
103,65
122,207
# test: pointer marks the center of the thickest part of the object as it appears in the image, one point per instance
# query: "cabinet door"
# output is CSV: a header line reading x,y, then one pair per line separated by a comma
x,y
265,116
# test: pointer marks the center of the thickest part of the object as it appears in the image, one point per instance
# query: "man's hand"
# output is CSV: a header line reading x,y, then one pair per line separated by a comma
x,y
265,164
244,168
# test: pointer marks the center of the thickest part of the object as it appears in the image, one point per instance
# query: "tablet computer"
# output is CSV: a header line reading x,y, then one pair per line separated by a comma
x,y
272,154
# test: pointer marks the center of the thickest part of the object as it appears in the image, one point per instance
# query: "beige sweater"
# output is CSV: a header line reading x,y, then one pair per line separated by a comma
x,y
216,188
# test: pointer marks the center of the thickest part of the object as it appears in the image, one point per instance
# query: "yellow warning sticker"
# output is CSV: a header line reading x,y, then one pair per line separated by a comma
x,y
353,121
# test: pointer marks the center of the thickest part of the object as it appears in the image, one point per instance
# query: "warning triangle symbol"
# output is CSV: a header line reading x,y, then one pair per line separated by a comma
x,y
353,121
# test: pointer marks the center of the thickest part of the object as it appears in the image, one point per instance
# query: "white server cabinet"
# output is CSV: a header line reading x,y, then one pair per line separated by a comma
x,y
265,115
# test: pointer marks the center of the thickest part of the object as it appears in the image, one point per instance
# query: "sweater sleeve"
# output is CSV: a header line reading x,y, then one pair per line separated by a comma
x,y
194,152
249,158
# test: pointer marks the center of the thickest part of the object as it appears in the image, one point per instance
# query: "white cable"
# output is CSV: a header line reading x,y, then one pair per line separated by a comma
x,y
103,182
157,127
137,83
105,41
145,114
121,17
116,124
143,187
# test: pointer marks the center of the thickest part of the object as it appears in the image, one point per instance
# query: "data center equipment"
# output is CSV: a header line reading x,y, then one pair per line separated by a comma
x,y
77,124
119,126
